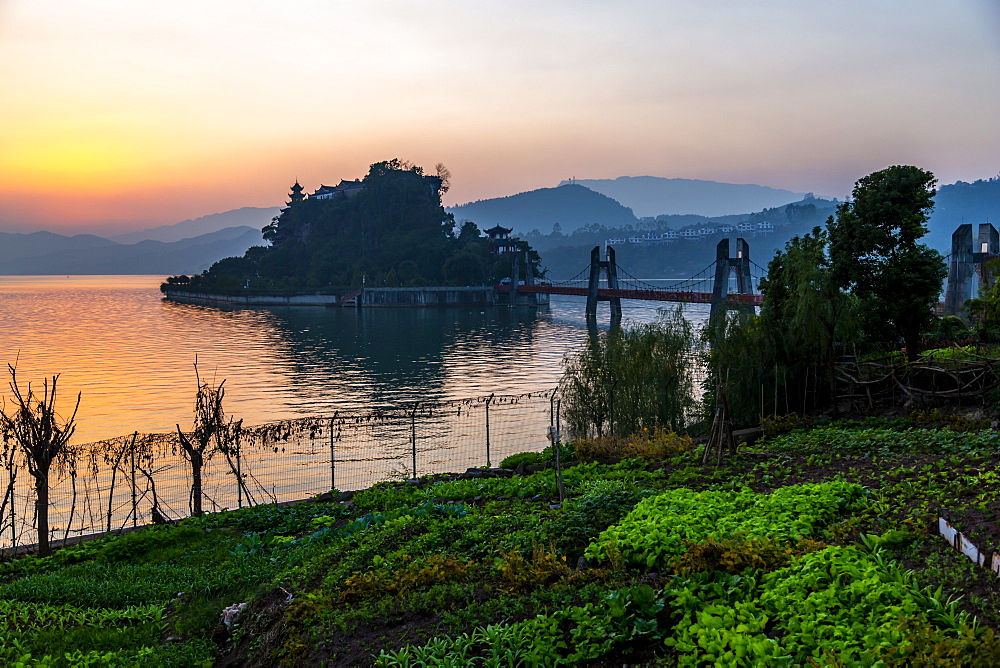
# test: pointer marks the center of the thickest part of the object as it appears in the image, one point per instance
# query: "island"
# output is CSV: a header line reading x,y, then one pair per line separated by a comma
x,y
385,239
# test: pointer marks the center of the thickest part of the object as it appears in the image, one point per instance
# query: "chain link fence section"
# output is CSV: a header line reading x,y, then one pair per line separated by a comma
x,y
140,479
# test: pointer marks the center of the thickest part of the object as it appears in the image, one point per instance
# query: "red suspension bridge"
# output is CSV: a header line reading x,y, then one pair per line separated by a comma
x,y
709,286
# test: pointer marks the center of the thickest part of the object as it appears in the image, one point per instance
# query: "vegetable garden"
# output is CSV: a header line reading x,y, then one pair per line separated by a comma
x,y
816,547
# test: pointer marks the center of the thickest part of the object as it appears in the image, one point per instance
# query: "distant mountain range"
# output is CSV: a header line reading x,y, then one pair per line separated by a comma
x,y
248,216
620,202
563,252
45,253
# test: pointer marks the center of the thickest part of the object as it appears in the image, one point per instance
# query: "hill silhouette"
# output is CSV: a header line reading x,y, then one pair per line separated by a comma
x,y
571,206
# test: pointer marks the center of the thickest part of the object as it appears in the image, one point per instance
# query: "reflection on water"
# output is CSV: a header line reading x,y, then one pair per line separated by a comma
x,y
130,353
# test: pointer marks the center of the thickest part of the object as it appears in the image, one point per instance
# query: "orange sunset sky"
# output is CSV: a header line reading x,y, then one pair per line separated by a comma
x,y
124,114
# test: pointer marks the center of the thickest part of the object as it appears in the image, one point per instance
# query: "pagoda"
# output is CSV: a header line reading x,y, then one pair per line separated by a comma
x,y
296,194
500,242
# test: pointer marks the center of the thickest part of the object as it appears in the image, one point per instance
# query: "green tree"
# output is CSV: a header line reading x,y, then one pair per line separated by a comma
x,y
464,268
984,310
408,270
469,233
876,254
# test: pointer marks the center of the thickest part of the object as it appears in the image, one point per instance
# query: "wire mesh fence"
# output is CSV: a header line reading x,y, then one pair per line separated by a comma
x,y
139,479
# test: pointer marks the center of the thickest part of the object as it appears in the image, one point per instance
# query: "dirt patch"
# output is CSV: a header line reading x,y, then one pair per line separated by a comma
x,y
259,631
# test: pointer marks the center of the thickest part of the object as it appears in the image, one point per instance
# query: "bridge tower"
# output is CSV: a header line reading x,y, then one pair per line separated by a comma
x,y
724,268
610,268
520,265
968,260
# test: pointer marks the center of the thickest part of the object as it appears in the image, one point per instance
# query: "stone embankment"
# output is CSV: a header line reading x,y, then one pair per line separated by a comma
x,y
375,297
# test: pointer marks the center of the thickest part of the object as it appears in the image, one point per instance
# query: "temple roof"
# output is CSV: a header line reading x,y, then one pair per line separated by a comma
x,y
497,231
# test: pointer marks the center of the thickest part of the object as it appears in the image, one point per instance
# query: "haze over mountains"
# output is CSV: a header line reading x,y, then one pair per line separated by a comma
x,y
574,208
653,195
187,247
46,253
191,246
619,202
248,216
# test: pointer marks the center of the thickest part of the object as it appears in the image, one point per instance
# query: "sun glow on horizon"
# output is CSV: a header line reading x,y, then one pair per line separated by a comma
x,y
119,113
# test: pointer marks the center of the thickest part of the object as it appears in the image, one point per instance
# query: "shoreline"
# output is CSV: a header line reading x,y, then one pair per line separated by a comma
x,y
417,297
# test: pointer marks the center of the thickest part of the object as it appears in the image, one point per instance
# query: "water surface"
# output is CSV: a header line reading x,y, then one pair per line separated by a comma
x,y
131,353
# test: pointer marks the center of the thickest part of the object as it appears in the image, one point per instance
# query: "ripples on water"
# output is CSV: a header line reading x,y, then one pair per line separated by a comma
x,y
131,353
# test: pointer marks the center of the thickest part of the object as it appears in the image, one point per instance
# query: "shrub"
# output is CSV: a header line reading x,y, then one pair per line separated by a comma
x,y
654,445
629,379
735,555
567,452
781,424
526,458
543,566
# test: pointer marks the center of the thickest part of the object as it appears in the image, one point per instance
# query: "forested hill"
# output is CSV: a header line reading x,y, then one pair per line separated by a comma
x,y
571,206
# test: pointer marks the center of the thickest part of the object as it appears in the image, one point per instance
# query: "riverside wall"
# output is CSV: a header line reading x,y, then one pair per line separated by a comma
x,y
250,300
370,297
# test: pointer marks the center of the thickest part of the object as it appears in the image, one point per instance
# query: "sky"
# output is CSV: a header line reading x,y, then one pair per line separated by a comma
x,y
118,115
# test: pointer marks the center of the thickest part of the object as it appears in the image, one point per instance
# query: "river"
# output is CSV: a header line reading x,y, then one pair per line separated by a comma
x,y
335,386
131,354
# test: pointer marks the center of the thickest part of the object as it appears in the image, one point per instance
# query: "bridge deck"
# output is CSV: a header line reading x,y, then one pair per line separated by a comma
x,y
647,295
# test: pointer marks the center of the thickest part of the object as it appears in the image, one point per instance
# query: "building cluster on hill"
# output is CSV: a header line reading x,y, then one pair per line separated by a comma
x,y
668,236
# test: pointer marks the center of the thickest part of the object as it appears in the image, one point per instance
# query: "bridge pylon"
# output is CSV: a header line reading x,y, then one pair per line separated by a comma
x,y
724,268
968,260
610,269
521,266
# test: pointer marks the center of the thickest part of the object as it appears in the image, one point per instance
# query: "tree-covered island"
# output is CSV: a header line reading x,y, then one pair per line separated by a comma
x,y
386,230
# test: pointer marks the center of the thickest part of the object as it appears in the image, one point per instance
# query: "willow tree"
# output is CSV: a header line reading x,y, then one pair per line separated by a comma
x,y
627,380
808,316
783,360
34,428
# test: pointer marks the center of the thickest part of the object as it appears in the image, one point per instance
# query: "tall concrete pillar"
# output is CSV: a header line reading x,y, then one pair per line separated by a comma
x,y
610,268
724,268
986,249
720,286
515,277
967,270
